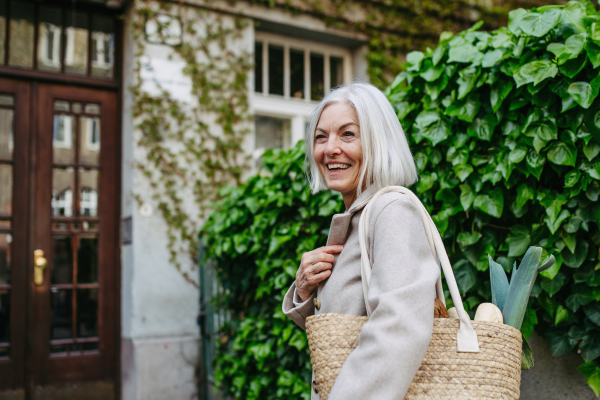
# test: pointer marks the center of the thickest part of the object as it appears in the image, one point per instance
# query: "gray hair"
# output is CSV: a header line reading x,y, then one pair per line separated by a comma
x,y
387,160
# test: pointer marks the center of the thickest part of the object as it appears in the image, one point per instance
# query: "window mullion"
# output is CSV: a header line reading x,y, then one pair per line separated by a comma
x,y
286,71
347,67
265,68
307,75
326,74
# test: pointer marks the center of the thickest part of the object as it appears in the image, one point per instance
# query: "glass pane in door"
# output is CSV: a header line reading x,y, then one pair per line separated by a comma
x,y
6,133
6,189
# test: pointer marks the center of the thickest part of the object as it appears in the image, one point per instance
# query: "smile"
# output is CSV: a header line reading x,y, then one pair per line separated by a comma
x,y
338,166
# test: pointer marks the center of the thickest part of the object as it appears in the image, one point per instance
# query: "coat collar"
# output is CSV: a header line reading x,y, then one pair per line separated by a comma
x,y
341,222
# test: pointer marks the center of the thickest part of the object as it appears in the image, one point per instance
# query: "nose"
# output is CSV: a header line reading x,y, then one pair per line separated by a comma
x,y
333,146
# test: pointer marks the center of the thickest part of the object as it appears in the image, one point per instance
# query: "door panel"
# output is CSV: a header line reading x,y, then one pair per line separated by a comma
x,y
14,160
75,225
58,195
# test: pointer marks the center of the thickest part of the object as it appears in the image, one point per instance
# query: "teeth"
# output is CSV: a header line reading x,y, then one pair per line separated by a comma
x,y
338,166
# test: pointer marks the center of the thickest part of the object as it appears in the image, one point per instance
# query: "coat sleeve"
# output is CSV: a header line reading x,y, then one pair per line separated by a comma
x,y
297,313
393,343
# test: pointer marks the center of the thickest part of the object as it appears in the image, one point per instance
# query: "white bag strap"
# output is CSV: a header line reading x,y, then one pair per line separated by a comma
x,y
466,337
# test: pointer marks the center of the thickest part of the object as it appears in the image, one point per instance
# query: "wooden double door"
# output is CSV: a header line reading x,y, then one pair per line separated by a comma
x,y
59,253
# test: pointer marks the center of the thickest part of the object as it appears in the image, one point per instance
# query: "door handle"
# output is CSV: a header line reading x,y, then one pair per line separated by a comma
x,y
39,263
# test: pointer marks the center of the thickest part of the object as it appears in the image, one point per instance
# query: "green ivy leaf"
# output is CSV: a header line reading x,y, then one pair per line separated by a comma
x,y
571,178
573,14
483,128
560,343
514,20
529,322
518,241
593,52
553,225
538,24
517,154
574,260
573,67
584,93
591,150
580,298
591,372
414,58
465,274
524,193
432,126
464,110
491,58
592,311
426,182
468,238
431,72
466,196
590,346
552,286
499,93
562,154
536,72
463,171
562,315
491,204
466,80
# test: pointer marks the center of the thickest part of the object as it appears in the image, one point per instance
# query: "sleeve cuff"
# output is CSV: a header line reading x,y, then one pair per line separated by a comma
x,y
298,301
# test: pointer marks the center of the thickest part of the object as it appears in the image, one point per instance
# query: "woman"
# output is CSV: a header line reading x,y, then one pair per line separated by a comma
x,y
356,146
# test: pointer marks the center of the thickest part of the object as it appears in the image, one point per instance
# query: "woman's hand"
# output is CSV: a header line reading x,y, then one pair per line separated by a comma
x,y
315,267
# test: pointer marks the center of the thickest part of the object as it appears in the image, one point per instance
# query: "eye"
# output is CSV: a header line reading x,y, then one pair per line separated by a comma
x,y
319,137
348,133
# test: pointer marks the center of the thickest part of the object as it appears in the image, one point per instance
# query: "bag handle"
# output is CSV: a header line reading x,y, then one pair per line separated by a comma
x,y
466,337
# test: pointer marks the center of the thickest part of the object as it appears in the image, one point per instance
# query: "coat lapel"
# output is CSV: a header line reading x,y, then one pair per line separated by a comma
x,y
340,223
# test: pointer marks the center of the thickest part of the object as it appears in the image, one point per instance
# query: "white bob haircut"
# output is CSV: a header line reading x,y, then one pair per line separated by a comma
x,y
387,160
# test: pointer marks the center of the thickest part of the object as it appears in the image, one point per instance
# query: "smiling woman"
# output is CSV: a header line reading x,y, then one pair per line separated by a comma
x,y
356,146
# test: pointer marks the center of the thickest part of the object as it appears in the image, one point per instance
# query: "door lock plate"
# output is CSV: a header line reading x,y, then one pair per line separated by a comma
x,y
39,263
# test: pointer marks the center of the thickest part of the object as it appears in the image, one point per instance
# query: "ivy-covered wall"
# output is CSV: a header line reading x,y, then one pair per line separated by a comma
x,y
396,27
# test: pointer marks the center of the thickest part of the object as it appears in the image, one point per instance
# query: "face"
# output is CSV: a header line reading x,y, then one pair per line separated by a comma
x,y
338,150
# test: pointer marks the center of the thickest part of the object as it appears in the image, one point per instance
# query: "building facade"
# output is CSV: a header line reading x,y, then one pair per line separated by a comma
x,y
119,120
93,302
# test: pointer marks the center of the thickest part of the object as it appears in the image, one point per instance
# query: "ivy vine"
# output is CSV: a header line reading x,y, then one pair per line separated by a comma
x,y
191,151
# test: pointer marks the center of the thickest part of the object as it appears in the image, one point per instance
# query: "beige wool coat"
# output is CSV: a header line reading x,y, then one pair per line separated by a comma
x,y
393,343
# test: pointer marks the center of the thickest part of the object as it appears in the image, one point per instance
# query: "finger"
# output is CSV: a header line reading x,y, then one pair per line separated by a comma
x,y
319,267
320,277
320,257
331,249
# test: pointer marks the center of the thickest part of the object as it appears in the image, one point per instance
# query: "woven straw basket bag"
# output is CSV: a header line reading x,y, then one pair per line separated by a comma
x,y
464,360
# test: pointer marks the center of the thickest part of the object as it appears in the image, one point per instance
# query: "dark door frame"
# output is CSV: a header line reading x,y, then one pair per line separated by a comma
x,y
27,82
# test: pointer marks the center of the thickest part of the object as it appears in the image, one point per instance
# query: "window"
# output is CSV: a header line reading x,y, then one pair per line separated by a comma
x,y
289,76
57,39
297,69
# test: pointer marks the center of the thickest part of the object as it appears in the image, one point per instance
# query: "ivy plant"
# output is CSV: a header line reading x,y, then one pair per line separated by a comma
x,y
505,129
257,236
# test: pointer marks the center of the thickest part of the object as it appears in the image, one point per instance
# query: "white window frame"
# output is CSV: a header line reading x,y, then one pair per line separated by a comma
x,y
286,106
48,28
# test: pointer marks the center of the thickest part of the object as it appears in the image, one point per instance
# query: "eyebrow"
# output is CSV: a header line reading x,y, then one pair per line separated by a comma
x,y
340,128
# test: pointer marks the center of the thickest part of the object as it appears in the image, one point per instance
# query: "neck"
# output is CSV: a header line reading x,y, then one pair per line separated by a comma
x,y
349,198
